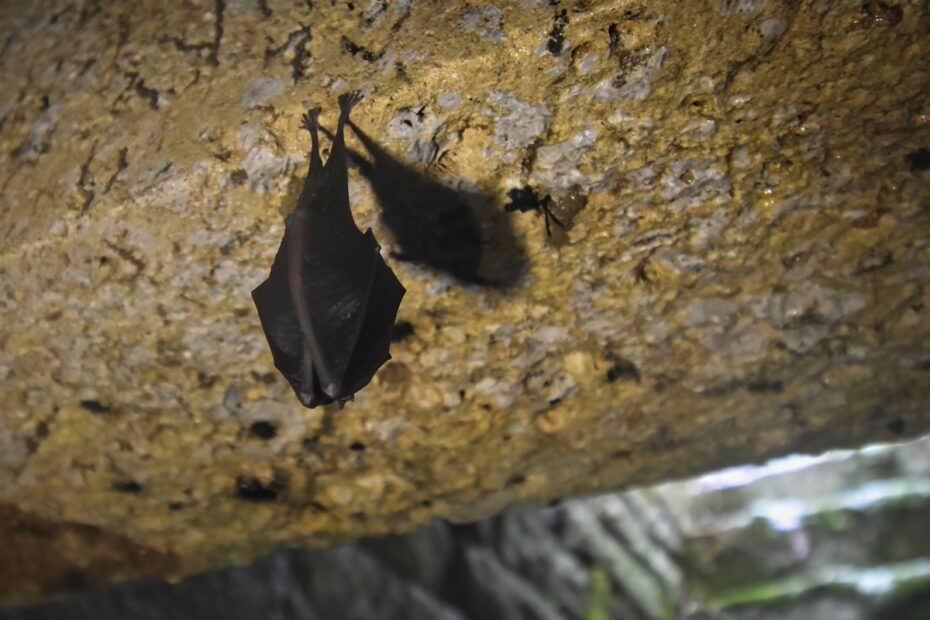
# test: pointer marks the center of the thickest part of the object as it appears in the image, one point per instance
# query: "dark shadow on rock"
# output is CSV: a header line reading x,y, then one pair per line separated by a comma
x,y
464,234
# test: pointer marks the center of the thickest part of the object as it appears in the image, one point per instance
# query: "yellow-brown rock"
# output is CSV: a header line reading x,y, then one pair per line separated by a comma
x,y
744,273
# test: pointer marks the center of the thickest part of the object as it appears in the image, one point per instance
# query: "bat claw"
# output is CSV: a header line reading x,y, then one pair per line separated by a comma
x,y
347,101
311,120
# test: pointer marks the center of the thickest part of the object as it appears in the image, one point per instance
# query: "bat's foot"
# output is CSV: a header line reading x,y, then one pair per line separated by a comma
x,y
347,101
311,120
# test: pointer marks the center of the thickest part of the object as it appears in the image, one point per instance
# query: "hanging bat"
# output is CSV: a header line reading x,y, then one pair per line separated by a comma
x,y
328,307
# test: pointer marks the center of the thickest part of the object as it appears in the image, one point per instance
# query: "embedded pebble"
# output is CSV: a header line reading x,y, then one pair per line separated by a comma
x,y
773,27
521,123
260,90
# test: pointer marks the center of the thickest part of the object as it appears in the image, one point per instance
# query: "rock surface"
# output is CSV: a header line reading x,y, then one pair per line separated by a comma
x,y
745,273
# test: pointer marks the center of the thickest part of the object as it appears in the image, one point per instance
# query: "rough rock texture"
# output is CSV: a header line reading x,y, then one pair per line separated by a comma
x,y
745,275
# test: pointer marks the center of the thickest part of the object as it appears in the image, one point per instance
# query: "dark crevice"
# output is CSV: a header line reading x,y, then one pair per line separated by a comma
x,y
263,430
138,85
918,160
623,369
127,256
372,17
127,486
896,426
301,56
400,20
183,46
147,93
557,34
614,35
291,42
252,490
121,164
94,406
296,41
213,47
217,33
87,195
763,385
355,50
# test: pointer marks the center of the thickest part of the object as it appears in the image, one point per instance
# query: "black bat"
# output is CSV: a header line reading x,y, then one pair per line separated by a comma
x,y
328,307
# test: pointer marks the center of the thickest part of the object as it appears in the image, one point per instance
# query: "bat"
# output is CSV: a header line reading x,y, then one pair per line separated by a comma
x,y
329,304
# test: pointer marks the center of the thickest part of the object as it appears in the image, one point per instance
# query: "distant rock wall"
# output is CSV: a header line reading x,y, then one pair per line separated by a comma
x,y
742,272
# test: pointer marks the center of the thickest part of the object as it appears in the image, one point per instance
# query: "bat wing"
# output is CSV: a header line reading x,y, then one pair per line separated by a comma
x,y
282,329
374,336
353,298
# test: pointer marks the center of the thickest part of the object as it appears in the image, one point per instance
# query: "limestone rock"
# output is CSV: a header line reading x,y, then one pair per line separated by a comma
x,y
747,276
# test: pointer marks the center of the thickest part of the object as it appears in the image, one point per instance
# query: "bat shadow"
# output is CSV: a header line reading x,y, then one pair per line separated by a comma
x,y
461,233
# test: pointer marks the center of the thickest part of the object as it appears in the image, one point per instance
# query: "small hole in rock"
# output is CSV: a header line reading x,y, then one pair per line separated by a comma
x,y
239,176
623,369
357,446
263,430
252,490
761,386
918,160
94,406
127,486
